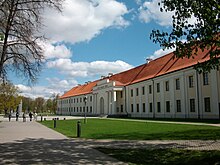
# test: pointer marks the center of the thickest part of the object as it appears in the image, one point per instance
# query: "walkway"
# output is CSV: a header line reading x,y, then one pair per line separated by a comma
x,y
33,143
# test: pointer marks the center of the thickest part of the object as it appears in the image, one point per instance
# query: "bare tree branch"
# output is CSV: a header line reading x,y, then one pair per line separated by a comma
x,y
20,51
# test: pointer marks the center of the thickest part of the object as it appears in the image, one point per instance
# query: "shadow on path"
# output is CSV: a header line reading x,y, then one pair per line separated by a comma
x,y
44,151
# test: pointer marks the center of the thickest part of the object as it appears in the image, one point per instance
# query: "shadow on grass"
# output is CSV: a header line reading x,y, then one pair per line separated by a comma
x,y
43,151
204,134
164,156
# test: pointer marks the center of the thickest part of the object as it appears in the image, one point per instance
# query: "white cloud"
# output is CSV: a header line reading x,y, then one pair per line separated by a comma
x,y
82,20
55,85
160,52
57,51
84,69
150,11
138,2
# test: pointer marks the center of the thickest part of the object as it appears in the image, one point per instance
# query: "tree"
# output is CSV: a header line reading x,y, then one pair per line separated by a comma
x,y
20,22
39,104
203,34
27,104
9,98
49,105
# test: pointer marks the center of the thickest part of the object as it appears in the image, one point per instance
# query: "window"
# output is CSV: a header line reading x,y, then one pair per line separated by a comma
x,y
131,92
151,107
137,107
80,109
121,94
80,99
74,109
87,109
177,84
158,87
191,82
205,78
90,109
137,91
77,109
207,104
158,107
83,109
74,100
144,108
178,106
77,100
90,98
121,108
132,108
167,106
167,85
150,89
143,91
192,105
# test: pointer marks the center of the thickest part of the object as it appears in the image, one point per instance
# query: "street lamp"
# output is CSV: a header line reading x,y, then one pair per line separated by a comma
x,y
85,100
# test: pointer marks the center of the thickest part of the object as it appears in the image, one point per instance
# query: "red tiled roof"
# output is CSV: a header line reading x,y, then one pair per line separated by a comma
x,y
160,66
80,90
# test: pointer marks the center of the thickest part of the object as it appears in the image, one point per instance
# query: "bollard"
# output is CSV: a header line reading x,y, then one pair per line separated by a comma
x,y
41,118
54,123
78,129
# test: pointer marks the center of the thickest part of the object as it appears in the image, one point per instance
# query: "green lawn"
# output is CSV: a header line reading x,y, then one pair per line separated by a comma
x,y
164,156
134,130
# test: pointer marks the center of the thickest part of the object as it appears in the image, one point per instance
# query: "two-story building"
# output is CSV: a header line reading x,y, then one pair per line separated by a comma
x,y
166,87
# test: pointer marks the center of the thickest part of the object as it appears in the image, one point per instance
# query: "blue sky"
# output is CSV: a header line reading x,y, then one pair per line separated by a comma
x,y
91,38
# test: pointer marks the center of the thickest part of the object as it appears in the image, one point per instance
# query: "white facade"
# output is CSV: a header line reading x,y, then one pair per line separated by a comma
x,y
179,94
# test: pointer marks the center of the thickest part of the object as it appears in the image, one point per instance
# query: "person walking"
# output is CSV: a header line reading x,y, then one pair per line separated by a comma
x,y
17,115
24,117
9,116
35,116
30,115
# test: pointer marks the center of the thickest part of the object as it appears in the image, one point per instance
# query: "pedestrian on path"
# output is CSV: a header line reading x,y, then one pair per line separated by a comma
x,y
24,117
35,116
9,116
17,115
30,115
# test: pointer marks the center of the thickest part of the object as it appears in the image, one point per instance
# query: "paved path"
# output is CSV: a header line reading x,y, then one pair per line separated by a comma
x,y
32,143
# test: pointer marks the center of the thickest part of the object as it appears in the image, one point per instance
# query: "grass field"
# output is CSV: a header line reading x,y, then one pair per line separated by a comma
x,y
164,156
134,130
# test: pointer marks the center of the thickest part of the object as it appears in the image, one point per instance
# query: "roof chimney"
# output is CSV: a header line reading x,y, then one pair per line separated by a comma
x,y
148,60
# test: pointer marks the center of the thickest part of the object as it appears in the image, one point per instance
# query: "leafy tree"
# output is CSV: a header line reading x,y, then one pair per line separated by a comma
x,y
39,103
202,34
20,22
49,105
9,98
27,104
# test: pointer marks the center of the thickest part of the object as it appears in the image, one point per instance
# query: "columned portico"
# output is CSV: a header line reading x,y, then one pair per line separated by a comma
x,y
106,97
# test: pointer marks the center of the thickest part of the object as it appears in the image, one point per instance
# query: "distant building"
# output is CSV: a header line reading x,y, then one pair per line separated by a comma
x,y
166,87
